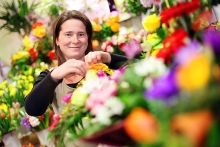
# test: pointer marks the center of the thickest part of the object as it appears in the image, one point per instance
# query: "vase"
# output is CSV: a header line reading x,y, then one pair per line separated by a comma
x,y
11,139
42,136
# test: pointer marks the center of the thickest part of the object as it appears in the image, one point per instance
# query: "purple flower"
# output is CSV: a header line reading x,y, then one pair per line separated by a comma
x,y
213,39
25,122
163,88
186,53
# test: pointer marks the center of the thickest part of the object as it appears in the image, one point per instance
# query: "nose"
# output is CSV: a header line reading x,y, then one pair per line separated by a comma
x,y
75,39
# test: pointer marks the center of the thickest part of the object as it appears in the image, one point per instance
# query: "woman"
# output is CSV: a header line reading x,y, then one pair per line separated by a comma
x,y
72,40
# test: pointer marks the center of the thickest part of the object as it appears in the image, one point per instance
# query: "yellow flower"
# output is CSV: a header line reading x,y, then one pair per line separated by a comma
x,y
79,98
195,74
154,52
3,84
152,36
39,31
151,23
26,92
27,42
3,107
115,27
1,93
31,78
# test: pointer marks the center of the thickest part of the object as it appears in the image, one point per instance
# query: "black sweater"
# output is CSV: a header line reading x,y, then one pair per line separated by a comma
x,y
37,101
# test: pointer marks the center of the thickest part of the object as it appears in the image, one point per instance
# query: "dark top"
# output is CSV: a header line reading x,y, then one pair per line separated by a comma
x,y
37,101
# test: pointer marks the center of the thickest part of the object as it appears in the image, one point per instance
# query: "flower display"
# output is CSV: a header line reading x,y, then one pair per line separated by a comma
x,y
9,117
124,43
106,27
38,123
168,98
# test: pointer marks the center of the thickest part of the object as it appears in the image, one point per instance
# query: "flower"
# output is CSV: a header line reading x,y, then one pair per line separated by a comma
x,y
39,30
151,23
142,126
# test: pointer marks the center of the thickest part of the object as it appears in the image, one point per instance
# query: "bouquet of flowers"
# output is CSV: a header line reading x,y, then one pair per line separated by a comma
x,y
15,90
38,123
152,103
9,118
106,27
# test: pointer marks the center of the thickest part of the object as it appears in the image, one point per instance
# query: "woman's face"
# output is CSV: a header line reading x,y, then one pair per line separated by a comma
x,y
73,39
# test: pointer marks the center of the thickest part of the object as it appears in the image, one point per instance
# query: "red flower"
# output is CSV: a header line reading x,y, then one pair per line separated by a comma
x,y
34,54
171,44
51,54
41,117
37,24
179,9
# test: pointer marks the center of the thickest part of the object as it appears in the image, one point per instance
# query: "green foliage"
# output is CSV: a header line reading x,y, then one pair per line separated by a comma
x,y
17,17
135,7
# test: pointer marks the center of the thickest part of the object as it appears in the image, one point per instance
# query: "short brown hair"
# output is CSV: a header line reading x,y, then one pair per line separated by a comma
x,y
67,15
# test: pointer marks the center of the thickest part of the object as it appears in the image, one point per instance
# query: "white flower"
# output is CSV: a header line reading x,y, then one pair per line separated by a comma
x,y
149,66
34,121
103,116
114,105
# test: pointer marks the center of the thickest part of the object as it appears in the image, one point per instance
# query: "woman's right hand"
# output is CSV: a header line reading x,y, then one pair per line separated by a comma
x,y
70,68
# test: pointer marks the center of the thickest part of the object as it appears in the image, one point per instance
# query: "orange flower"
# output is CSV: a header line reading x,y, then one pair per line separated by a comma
x,y
96,19
141,126
98,66
194,125
95,44
115,27
97,27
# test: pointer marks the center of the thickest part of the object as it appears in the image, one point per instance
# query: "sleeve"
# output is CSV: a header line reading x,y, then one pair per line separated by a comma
x,y
37,101
117,61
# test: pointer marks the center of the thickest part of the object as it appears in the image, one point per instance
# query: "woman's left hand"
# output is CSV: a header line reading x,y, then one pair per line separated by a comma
x,y
97,57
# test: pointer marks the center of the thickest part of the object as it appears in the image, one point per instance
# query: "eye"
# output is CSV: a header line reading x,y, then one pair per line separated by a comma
x,y
68,34
81,34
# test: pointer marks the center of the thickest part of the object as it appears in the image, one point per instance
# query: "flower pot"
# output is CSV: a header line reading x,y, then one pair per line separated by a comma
x,y
11,139
42,136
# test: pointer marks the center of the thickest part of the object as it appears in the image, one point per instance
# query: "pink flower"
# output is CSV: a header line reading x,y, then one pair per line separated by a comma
x,y
16,105
66,98
56,119
99,97
131,48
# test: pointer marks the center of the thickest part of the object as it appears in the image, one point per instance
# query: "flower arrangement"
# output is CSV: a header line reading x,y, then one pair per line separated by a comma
x,y
39,44
21,12
152,103
105,27
37,123
9,118
119,44
97,78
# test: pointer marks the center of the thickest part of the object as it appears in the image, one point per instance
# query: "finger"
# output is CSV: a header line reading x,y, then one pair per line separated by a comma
x,y
94,58
78,71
